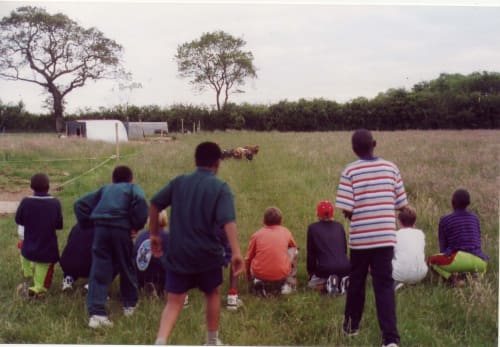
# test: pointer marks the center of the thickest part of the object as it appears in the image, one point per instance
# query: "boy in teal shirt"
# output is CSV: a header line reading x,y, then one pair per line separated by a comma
x,y
117,210
200,204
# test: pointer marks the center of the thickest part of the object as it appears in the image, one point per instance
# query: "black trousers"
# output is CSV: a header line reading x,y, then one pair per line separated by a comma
x,y
379,262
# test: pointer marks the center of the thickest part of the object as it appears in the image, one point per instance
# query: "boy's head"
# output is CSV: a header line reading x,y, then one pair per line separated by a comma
x,y
460,199
324,210
122,174
407,216
207,154
40,183
363,143
272,216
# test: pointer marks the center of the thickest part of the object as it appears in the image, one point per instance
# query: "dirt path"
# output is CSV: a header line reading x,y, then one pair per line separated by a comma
x,y
9,201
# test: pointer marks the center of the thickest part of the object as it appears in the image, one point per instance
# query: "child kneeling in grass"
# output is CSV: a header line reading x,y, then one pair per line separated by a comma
x,y
459,242
38,217
408,264
271,259
327,262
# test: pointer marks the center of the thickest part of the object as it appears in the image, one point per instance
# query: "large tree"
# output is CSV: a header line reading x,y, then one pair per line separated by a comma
x,y
216,60
56,53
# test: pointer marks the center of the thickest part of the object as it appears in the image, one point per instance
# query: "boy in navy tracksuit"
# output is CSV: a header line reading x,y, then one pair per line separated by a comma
x,y
117,210
40,215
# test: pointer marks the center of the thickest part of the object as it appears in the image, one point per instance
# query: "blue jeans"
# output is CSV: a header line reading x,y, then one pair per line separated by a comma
x,y
112,248
379,261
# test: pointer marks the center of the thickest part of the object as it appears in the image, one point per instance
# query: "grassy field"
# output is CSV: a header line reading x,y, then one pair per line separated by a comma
x,y
292,171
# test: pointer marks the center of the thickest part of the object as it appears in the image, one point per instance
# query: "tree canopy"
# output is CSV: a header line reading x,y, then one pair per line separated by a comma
x,y
216,60
56,53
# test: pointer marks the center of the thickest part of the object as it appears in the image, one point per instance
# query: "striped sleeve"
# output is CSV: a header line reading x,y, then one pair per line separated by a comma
x,y
345,193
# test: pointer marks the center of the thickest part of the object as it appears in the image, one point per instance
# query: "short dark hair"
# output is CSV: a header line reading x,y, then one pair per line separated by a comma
x,y
207,154
407,216
272,216
460,199
362,142
122,174
40,183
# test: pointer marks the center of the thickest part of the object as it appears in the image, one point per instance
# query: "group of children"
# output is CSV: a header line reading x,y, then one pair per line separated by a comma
x,y
202,239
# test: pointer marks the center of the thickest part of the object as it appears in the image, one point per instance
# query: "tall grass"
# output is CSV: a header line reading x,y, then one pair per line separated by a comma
x,y
292,171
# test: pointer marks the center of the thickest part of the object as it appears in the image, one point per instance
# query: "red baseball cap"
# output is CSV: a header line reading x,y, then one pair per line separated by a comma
x,y
325,209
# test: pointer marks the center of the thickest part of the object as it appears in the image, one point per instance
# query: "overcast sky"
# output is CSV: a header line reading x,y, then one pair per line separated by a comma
x,y
301,49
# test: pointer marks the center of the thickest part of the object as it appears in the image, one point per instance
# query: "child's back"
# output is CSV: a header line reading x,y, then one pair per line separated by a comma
x,y
409,264
41,216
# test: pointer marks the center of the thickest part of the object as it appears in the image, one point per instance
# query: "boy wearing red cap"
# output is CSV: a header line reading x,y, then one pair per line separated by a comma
x,y
327,262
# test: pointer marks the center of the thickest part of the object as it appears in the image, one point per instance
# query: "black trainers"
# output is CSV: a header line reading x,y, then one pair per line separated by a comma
x,y
333,285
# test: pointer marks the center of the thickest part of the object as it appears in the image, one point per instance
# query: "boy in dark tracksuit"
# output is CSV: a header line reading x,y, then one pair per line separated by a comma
x,y
41,216
327,262
117,210
76,257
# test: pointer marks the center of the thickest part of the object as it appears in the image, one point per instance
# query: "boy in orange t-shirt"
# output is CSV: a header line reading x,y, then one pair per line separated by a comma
x,y
271,259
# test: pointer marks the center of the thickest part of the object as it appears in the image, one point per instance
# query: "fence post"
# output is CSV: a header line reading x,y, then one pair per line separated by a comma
x,y
117,142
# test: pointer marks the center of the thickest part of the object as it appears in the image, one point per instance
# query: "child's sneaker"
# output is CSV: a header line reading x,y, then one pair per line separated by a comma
x,y
233,302
67,283
22,288
129,311
217,342
332,285
259,287
398,285
286,289
96,321
344,284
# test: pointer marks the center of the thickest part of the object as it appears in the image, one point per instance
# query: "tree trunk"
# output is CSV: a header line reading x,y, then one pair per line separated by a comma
x,y
58,110
217,97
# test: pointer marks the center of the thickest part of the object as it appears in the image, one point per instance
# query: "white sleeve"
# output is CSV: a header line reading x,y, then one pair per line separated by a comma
x,y
20,232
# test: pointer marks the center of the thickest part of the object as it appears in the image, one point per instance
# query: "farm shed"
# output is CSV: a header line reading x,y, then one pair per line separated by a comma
x,y
98,130
141,129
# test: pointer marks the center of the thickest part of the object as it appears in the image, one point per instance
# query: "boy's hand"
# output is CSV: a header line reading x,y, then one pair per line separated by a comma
x,y
347,214
237,264
156,246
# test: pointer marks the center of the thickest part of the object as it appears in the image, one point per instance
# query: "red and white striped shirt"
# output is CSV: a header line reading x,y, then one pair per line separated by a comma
x,y
372,190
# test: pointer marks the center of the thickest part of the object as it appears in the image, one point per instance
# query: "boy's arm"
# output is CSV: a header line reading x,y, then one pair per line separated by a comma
x,y
83,207
248,259
139,209
59,223
154,232
232,237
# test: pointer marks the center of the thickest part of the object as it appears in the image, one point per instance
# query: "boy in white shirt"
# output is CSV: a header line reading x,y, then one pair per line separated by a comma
x,y
408,264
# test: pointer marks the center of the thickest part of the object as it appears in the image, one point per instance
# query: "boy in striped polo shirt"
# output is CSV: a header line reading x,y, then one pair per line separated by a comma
x,y
369,192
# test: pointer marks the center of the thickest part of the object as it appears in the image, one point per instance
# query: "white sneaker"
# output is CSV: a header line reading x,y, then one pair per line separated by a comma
x,y
217,342
129,311
67,283
286,289
233,302
99,321
186,301
392,344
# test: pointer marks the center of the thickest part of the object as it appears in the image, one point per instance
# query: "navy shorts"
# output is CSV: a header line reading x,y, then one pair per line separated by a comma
x,y
179,283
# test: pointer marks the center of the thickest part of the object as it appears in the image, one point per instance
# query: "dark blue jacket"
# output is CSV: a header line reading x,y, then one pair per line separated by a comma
x,y
41,216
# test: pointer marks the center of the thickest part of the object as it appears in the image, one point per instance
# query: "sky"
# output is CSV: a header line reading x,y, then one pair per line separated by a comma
x,y
316,49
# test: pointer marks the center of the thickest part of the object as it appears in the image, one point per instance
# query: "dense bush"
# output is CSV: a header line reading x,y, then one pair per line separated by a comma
x,y
452,101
